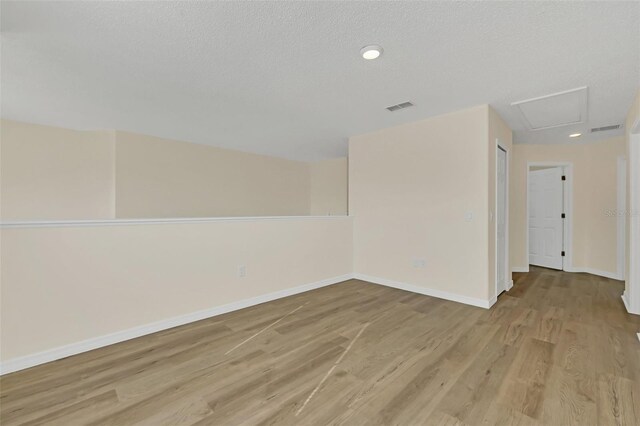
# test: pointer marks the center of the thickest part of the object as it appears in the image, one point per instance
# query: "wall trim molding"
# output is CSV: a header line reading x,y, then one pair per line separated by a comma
x,y
626,306
482,303
32,360
64,351
499,146
491,302
158,221
60,352
621,219
624,300
586,270
593,271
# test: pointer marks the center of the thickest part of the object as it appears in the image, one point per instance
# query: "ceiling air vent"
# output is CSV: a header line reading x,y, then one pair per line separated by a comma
x,y
400,106
605,128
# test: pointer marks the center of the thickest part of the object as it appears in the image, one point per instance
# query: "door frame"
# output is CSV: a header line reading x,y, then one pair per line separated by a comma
x,y
567,200
621,219
507,274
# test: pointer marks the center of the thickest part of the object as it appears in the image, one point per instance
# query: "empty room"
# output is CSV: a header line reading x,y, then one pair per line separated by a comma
x,y
319,213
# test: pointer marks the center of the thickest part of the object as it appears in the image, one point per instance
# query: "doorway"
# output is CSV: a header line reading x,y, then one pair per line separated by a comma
x,y
548,215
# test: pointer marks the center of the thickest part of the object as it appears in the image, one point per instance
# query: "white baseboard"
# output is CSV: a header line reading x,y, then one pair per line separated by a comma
x,y
624,300
32,360
592,271
627,304
491,302
509,285
482,303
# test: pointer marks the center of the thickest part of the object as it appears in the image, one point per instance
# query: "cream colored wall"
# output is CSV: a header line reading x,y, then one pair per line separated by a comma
x,y
594,192
50,173
163,178
409,189
498,132
328,187
53,173
117,277
112,278
633,116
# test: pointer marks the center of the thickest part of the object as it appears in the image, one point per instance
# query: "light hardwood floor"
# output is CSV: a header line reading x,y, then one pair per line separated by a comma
x,y
558,349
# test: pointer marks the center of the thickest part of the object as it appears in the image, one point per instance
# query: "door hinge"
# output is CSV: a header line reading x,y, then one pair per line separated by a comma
x,y
564,178
563,253
563,216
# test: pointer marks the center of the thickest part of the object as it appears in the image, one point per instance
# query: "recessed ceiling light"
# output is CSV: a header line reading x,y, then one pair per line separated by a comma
x,y
575,135
371,52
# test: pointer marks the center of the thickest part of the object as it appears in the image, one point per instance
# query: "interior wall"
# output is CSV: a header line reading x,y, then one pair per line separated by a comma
x,y
53,173
164,178
633,116
329,187
498,132
63,285
594,198
50,173
410,188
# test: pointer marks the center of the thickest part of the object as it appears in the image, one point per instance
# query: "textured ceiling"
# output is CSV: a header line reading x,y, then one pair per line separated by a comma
x,y
286,78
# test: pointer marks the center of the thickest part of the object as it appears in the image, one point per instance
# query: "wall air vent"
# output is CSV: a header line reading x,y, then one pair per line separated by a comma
x,y
605,128
400,106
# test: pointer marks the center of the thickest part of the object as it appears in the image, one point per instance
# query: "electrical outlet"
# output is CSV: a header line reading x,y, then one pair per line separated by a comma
x,y
242,271
419,263
468,216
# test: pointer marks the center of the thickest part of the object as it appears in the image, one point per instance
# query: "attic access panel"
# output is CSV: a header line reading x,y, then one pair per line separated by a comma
x,y
555,110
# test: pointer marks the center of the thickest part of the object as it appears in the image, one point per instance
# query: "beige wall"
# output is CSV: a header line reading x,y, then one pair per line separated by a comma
x,y
112,278
328,187
594,192
63,285
163,178
409,189
500,133
633,116
52,173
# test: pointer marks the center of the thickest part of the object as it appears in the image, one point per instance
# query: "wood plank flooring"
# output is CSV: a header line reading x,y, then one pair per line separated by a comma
x,y
558,349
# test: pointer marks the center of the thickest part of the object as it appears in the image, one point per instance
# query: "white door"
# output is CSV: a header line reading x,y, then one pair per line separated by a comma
x,y
545,217
501,221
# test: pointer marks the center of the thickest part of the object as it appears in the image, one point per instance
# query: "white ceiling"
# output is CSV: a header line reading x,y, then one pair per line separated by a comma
x,y
286,78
